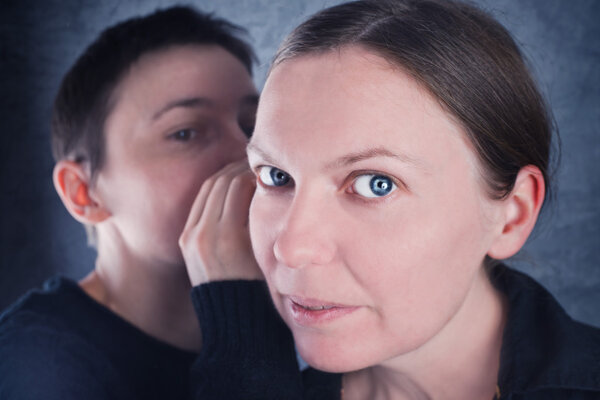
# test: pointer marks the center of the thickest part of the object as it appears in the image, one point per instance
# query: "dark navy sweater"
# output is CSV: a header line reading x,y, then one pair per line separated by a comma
x,y
57,343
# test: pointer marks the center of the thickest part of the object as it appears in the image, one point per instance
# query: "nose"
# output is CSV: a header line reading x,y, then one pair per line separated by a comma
x,y
305,237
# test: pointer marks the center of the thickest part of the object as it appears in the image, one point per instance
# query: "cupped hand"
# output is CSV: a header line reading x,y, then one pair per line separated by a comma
x,y
215,241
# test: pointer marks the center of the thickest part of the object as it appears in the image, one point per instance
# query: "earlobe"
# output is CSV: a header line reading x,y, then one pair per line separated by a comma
x,y
520,211
72,184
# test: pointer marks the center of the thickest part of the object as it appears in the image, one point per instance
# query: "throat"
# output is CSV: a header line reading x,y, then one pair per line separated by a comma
x,y
161,308
376,384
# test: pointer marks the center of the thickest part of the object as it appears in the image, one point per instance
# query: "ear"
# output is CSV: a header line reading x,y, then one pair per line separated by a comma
x,y
72,182
519,213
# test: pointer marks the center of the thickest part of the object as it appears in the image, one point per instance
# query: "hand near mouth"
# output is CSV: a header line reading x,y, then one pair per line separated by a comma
x,y
215,241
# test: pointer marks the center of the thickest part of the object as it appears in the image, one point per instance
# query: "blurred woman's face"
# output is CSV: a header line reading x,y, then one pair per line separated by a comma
x,y
180,115
370,220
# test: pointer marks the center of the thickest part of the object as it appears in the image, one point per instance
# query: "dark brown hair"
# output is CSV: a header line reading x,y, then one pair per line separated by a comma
x,y
464,58
82,103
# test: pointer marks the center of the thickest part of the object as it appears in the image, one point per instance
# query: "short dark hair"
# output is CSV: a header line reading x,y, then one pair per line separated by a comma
x,y
82,103
465,58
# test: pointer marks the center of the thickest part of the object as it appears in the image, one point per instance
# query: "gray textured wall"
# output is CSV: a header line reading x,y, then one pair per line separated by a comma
x,y
39,40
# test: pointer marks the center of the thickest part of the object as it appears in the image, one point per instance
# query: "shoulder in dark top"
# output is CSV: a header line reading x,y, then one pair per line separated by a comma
x,y
319,385
58,343
545,354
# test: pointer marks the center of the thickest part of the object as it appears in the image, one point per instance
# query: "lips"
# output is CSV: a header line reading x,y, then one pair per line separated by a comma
x,y
308,312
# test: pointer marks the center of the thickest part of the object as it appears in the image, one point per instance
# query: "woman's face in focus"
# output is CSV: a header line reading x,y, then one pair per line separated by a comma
x,y
370,220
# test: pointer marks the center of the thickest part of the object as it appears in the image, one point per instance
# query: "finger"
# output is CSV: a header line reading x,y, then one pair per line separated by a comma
x,y
239,196
213,208
200,201
199,204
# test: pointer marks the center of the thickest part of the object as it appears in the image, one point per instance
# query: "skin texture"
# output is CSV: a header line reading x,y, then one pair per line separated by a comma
x,y
406,268
178,117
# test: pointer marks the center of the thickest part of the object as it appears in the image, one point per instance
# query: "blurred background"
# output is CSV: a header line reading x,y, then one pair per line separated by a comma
x,y
39,40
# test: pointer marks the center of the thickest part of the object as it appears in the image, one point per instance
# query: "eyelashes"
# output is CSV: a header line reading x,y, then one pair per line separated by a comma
x,y
368,185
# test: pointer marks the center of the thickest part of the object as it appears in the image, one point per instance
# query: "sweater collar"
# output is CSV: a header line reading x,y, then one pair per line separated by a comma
x,y
542,346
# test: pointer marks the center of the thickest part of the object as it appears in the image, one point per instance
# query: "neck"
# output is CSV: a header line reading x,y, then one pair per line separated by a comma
x,y
460,362
152,296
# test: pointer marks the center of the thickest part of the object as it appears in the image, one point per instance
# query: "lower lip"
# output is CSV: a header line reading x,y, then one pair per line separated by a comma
x,y
303,316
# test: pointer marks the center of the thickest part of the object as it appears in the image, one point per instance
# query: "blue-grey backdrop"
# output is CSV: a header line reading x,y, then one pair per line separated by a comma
x,y
40,40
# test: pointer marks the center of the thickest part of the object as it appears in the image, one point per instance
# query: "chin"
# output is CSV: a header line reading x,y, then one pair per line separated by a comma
x,y
333,355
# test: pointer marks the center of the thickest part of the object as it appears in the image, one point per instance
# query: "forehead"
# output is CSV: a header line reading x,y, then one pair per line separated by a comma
x,y
343,101
184,70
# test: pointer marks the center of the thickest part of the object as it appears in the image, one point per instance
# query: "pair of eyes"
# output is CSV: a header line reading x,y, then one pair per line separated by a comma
x,y
367,185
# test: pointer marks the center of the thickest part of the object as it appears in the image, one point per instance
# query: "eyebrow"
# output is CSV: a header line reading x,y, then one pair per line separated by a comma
x,y
186,103
192,102
263,154
375,152
352,158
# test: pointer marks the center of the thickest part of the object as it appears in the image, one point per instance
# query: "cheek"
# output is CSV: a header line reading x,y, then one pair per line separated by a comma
x,y
416,266
150,201
176,182
156,202
262,224
175,186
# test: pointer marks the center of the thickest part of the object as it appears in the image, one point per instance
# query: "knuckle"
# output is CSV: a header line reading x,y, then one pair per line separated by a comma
x,y
238,179
183,238
208,183
221,180
201,236
244,182
238,182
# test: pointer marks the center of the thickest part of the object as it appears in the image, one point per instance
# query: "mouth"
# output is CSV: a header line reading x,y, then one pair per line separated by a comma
x,y
307,312
317,308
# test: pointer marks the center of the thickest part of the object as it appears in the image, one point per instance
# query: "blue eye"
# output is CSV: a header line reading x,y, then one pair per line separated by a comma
x,y
271,176
371,186
183,135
